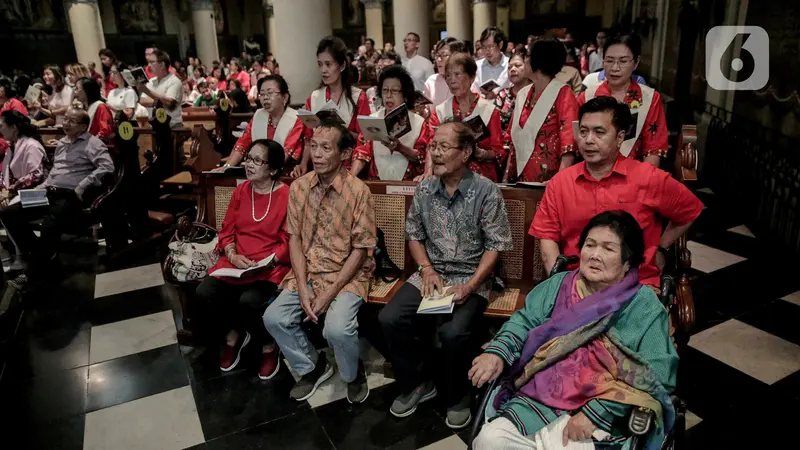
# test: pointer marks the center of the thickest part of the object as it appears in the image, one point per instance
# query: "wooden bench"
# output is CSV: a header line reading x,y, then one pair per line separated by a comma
x,y
520,268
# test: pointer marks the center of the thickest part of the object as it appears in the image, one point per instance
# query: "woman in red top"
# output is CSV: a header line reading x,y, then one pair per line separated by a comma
x,y
8,98
489,158
222,85
276,120
401,158
540,129
236,73
650,134
337,92
108,59
254,228
101,119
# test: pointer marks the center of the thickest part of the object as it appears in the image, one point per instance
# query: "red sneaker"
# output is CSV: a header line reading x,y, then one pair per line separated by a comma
x,y
271,364
232,353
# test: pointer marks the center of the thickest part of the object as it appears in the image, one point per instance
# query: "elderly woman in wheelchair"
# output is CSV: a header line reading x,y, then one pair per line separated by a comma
x,y
589,347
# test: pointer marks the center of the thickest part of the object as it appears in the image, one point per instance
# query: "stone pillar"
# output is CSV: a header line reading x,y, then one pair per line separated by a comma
x,y
269,23
87,29
300,33
373,10
459,19
484,13
659,39
503,20
412,15
609,11
205,31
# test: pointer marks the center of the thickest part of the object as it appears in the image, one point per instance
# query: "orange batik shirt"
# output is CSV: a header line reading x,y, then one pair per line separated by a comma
x,y
331,222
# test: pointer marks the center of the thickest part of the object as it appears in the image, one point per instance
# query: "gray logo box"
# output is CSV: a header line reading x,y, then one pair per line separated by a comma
x,y
749,70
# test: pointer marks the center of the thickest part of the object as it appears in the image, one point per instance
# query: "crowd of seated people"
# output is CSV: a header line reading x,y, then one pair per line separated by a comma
x,y
321,227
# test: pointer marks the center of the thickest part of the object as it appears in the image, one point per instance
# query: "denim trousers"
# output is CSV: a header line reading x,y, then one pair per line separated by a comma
x,y
284,317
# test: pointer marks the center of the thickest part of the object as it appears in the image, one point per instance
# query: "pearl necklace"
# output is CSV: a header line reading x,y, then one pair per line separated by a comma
x,y
253,201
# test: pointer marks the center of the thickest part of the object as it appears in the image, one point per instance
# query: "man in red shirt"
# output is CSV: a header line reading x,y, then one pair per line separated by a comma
x,y
605,181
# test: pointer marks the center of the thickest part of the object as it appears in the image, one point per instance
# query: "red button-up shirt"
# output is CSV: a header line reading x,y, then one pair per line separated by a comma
x,y
573,197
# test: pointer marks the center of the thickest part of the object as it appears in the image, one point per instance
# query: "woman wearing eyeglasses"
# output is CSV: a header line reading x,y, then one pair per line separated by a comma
x,y
490,156
401,158
122,97
436,85
650,135
275,120
253,229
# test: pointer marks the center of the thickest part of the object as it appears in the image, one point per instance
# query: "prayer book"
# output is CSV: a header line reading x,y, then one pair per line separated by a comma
x,y
134,76
393,124
421,100
439,303
31,198
490,85
239,273
523,184
479,129
326,114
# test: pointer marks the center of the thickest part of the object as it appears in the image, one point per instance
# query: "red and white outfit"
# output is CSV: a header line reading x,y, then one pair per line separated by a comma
x,y
491,169
320,97
288,132
243,78
385,164
256,240
651,124
101,121
540,131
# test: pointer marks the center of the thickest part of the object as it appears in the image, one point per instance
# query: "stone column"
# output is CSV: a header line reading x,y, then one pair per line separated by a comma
x,y
412,15
205,31
373,10
300,31
484,13
659,39
269,23
87,29
459,19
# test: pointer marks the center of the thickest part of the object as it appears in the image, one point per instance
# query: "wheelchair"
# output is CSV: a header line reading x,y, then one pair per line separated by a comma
x,y
640,420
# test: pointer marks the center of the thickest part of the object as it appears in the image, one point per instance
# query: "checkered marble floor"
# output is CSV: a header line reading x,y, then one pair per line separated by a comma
x,y
96,365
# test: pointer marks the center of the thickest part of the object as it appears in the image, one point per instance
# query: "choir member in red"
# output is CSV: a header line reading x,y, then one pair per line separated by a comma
x,y
395,159
276,121
254,228
101,119
489,158
8,98
108,59
540,130
620,59
337,87
236,73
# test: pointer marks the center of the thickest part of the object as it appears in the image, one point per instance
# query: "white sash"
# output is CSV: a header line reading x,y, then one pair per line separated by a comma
x,y
91,111
647,101
393,165
525,138
261,121
484,108
343,108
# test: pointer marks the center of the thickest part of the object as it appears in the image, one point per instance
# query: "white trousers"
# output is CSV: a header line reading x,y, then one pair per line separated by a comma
x,y
502,434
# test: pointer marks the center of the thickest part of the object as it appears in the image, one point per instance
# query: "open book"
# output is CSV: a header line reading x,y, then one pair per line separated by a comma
x,y
479,129
439,303
31,198
525,184
32,95
393,125
420,99
238,273
134,76
326,114
490,85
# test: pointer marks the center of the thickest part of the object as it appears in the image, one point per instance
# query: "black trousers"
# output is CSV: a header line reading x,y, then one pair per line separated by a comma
x,y
409,342
222,307
64,208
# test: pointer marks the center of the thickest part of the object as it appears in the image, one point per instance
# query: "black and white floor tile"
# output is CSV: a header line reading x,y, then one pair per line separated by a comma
x,y
96,365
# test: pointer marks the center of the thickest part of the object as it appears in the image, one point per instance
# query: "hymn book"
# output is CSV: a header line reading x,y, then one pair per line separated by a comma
x,y
239,273
421,99
439,303
326,114
393,124
135,76
31,198
479,129
490,85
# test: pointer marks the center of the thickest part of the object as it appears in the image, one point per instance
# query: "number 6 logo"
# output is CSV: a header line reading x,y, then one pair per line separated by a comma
x,y
745,70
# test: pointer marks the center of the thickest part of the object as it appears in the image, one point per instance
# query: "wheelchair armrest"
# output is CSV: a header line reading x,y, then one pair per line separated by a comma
x,y
562,262
640,421
477,423
667,289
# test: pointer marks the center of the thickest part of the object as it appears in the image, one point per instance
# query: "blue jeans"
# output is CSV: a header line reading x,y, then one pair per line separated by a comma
x,y
283,319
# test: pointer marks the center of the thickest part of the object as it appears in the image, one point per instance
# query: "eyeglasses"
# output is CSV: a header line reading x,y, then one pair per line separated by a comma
x,y
392,92
256,161
410,40
440,147
269,94
442,55
623,62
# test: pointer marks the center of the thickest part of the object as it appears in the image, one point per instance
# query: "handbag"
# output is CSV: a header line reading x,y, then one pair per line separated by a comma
x,y
190,257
